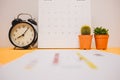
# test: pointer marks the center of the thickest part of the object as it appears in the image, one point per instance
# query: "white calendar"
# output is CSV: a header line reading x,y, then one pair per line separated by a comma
x,y
60,22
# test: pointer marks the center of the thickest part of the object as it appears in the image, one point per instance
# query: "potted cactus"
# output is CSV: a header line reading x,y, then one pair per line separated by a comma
x,y
85,38
101,37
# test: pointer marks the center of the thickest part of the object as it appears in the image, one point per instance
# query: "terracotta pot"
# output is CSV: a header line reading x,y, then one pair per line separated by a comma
x,y
101,41
85,41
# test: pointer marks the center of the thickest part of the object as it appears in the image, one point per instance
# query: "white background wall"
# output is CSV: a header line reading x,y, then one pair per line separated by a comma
x,y
105,13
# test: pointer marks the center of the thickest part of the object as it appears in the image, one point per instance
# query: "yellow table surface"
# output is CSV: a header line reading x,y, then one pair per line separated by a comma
x,y
9,54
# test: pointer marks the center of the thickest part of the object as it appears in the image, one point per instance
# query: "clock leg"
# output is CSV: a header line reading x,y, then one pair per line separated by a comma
x,y
14,48
31,46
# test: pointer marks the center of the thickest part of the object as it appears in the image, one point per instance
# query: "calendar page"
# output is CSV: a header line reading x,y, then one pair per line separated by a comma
x,y
60,22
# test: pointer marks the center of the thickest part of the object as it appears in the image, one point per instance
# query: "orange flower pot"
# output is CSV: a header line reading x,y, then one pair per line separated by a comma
x,y
85,41
101,41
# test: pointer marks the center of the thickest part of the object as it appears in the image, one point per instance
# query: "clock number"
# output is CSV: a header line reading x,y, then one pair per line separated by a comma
x,y
22,43
31,30
23,26
16,30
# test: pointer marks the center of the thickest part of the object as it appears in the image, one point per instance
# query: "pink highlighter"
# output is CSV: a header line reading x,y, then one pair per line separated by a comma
x,y
56,58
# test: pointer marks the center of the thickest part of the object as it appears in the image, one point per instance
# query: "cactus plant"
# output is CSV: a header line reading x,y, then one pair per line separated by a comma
x,y
85,30
85,38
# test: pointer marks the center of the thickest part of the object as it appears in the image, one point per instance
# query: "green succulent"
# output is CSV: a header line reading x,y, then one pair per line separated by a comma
x,y
85,30
100,31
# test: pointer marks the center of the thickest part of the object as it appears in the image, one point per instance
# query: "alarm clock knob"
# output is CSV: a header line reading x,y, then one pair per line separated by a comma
x,y
16,21
32,21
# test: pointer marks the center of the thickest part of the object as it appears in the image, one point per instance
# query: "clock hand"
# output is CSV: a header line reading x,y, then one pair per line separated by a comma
x,y
23,33
20,36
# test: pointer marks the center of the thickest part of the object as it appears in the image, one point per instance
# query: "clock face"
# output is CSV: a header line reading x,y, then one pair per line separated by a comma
x,y
22,34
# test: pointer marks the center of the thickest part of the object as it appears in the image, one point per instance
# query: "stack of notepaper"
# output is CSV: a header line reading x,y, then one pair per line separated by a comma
x,y
63,65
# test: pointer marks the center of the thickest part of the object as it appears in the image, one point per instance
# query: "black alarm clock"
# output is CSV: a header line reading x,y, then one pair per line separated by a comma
x,y
23,33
